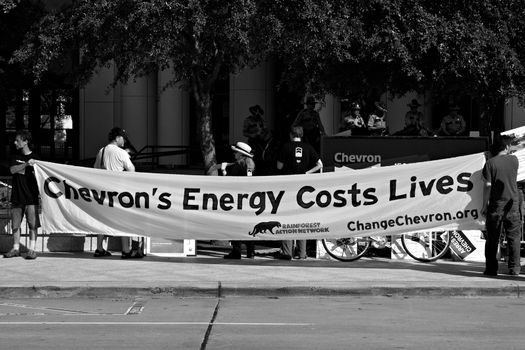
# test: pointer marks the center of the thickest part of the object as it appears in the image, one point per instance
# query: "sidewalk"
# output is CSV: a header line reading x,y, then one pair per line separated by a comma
x,y
208,274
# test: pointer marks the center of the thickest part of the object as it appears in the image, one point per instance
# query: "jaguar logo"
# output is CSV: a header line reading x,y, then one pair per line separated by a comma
x,y
263,227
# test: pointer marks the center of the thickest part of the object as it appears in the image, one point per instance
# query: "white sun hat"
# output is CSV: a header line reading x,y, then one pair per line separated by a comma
x,y
242,148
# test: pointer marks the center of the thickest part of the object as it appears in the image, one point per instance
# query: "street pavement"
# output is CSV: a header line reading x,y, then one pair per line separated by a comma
x,y
208,274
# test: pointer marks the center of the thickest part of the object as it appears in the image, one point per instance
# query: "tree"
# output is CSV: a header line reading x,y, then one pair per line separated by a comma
x,y
200,41
16,19
354,48
7,5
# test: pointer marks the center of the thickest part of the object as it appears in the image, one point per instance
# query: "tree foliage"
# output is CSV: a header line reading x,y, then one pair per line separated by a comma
x,y
449,47
200,41
16,19
347,48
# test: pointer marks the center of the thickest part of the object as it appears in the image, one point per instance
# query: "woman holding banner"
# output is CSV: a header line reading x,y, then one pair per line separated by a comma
x,y
243,166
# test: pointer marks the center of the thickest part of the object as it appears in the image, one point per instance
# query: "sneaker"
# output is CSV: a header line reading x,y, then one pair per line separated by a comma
x,y
232,256
100,253
284,257
490,273
133,254
31,255
12,253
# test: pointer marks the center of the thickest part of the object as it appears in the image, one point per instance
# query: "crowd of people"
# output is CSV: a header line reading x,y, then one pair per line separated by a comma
x,y
353,123
263,154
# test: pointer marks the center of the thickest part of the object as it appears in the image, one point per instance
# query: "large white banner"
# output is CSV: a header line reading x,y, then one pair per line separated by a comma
x,y
380,201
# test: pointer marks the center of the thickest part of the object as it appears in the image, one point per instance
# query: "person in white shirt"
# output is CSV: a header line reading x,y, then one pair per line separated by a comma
x,y
113,157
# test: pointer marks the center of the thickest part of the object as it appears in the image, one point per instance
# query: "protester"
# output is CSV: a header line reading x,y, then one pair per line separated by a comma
x,y
377,120
310,121
114,158
297,157
453,124
501,207
262,141
354,122
414,124
24,194
254,123
414,120
243,166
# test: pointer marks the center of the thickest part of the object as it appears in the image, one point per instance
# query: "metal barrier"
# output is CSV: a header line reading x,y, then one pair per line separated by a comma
x,y
155,152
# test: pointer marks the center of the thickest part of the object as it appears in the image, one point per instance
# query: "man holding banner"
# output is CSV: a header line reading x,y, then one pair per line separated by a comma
x,y
24,195
113,157
297,157
501,206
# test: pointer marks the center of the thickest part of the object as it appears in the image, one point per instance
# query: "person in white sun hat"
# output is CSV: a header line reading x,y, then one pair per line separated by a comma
x,y
243,166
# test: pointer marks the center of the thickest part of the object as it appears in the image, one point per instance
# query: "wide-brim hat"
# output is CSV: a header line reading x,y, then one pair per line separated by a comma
x,y
242,148
414,103
355,106
381,106
256,110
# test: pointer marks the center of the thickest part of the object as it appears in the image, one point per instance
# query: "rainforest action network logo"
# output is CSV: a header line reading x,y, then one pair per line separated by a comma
x,y
276,228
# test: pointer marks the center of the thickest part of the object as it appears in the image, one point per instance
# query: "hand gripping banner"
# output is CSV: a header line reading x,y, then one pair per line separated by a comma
x,y
445,193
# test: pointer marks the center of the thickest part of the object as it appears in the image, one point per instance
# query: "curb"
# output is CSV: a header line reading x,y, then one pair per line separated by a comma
x,y
275,292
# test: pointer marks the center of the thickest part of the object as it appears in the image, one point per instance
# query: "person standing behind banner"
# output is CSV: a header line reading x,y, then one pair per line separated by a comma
x,y
24,194
377,120
353,122
114,158
243,166
310,120
501,207
297,157
453,124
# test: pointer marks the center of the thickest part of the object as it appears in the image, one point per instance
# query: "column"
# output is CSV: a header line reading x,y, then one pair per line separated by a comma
x,y
173,123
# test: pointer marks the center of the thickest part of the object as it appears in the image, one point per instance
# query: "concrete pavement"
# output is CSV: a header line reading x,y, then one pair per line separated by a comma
x,y
208,274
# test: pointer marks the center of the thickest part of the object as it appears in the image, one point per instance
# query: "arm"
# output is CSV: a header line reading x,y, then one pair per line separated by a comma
x,y
371,124
320,124
407,118
463,124
130,167
18,168
486,197
250,166
318,166
443,126
98,162
127,163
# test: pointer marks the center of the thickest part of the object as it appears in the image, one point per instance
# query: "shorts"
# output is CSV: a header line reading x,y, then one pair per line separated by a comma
x,y
31,214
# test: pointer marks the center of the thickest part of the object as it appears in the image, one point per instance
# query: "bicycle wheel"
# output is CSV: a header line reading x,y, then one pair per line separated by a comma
x,y
426,246
347,249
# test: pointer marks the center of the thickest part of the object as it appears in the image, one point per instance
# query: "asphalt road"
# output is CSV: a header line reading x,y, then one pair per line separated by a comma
x,y
262,323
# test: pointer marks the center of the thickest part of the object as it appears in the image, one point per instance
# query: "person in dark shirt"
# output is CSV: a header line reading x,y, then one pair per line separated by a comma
x,y
310,120
24,194
501,206
297,157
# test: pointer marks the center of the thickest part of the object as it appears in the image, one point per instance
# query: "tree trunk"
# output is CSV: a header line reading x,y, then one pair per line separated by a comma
x,y
205,127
